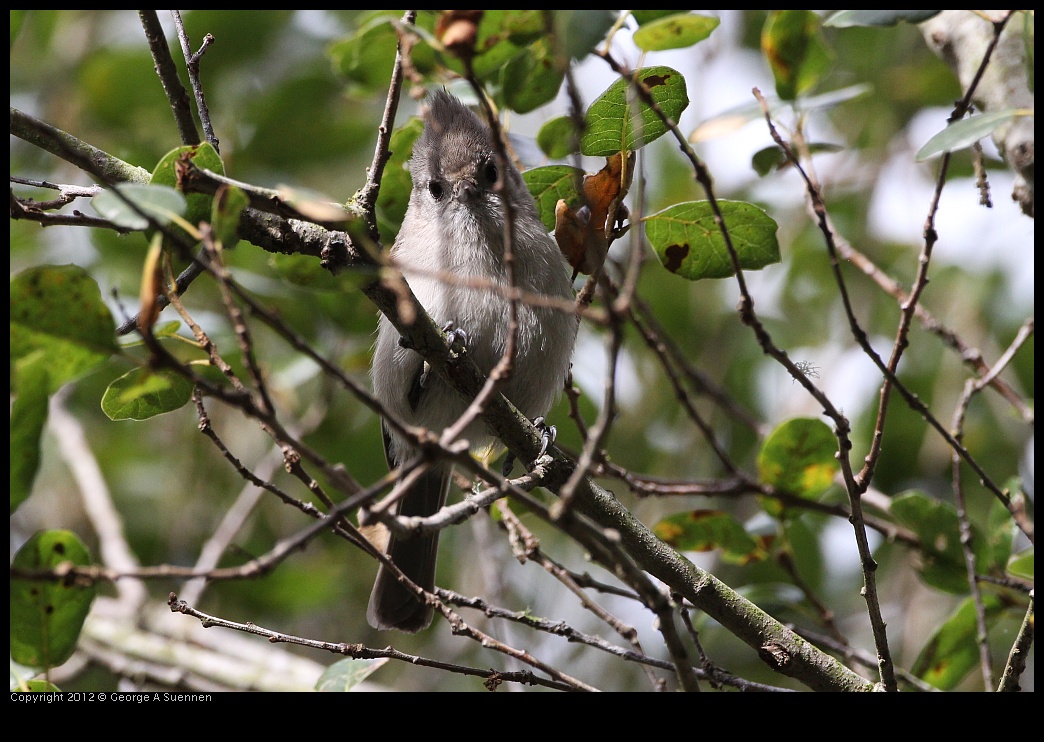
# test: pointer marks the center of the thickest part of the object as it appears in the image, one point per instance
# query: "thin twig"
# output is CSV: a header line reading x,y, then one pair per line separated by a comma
x,y
192,65
1016,664
177,96
361,652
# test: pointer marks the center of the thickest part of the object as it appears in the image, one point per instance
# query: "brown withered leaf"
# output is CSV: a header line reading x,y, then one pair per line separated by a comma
x,y
572,234
583,235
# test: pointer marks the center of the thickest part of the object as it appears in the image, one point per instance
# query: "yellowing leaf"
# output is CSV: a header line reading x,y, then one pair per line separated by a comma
x,y
799,457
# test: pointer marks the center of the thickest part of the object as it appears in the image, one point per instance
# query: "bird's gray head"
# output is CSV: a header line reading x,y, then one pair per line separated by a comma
x,y
454,165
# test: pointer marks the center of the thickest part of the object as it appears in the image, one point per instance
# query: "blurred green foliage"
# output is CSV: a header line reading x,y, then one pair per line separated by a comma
x,y
296,98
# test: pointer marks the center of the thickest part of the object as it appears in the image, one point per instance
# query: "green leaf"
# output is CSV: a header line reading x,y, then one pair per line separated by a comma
x,y
618,119
675,32
40,686
551,183
965,133
517,26
367,56
557,138
648,16
770,158
794,46
846,18
580,31
396,182
500,38
706,530
58,310
532,78
227,207
305,270
773,157
346,674
501,35
936,526
1021,564
1000,534
160,202
47,615
203,156
28,417
689,243
198,206
953,651
799,457
167,329
142,393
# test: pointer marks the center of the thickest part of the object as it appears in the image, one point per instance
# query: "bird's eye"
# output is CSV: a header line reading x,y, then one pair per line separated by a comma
x,y
490,171
436,190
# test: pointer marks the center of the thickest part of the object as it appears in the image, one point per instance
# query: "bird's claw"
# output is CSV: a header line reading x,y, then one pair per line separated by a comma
x,y
548,434
456,338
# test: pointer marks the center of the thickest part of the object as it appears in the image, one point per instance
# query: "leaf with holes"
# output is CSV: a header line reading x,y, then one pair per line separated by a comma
x,y
619,120
689,242
47,615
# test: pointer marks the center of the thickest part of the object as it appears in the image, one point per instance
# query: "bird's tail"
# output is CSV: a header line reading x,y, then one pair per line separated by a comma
x,y
392,606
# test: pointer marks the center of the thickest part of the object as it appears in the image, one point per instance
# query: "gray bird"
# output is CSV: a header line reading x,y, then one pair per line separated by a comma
x,y
455,224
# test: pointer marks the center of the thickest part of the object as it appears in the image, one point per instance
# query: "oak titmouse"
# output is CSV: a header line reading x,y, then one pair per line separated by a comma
x,y
455,224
